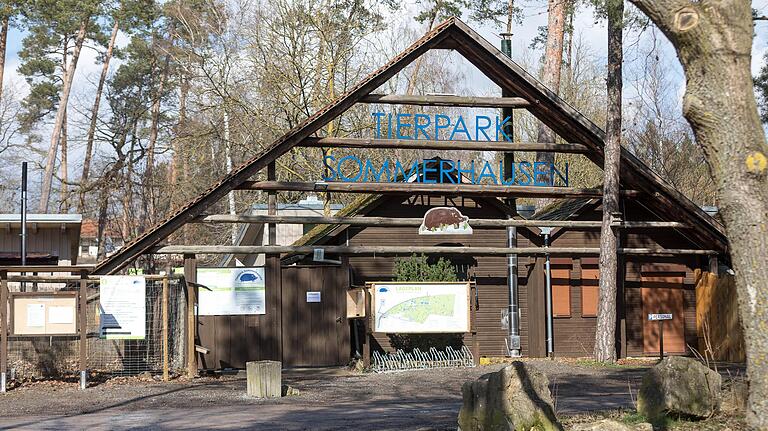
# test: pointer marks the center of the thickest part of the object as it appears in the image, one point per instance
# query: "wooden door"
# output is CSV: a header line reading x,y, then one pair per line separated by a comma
x,y
663,293
315,328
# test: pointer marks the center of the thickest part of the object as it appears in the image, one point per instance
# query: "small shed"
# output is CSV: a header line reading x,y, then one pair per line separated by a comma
x,y
52,239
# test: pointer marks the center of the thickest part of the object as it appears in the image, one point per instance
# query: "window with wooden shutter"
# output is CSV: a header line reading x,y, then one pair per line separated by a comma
x,y
589,290
561,291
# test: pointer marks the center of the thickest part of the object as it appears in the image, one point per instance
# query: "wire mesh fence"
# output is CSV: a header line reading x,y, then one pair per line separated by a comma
x,y
36,357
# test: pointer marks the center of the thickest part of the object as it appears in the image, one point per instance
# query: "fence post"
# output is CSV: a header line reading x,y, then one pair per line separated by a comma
x,y
3,328
367,323
165,328
190,277
83,323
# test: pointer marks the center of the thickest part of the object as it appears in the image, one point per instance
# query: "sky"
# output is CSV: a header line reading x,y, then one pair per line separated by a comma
x,y
591,30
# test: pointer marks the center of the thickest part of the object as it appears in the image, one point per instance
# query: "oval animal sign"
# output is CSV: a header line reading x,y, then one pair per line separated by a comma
x,y
445,221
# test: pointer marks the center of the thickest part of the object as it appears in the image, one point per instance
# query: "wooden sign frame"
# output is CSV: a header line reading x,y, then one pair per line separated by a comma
x,y
49,299
371,286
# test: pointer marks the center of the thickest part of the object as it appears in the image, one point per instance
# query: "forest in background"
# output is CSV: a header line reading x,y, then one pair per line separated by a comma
x,y
200,86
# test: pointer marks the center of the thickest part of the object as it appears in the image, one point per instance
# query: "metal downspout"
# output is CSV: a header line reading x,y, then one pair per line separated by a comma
x,y
513,308
550,349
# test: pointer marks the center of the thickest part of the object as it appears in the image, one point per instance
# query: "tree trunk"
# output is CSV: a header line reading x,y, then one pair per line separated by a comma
x,y
417,65
153,132
605,332
228,155
64,169
101,252
94,119
45,191
553,59
3,44
713,41
176,143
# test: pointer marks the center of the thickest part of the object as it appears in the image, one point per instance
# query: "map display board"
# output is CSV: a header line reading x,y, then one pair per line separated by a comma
x,y
233,291
420,307
122,307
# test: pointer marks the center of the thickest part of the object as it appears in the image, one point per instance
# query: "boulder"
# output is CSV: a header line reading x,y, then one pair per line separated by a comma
x,y
516,397
679,386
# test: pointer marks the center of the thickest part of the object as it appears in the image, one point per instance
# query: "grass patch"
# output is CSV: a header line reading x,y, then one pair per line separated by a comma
x,y
632,418
585,362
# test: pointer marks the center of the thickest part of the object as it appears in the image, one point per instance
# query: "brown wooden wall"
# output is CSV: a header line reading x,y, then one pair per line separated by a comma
x,y
574,335
292,331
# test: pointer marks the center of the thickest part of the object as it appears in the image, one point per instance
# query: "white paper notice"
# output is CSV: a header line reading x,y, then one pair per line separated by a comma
x,y
313,296
36,315
123,307
61,315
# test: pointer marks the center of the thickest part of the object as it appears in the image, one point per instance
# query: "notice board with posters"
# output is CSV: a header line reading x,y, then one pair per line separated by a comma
x,y
421,307
122,307
44,313
231,291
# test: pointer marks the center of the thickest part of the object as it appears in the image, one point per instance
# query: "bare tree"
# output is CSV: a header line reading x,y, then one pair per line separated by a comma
x,y
713,41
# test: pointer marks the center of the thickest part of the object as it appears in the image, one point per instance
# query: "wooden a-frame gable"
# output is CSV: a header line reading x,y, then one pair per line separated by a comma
x,y
543,103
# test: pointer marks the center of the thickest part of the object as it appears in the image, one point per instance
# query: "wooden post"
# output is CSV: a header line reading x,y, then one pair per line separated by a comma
x,y
3,329
274,277
263,379
165,328
367,328
190,276
473,323
83,326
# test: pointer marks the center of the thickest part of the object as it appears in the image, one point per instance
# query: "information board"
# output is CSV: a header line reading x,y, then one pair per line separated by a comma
x,y
231,291
43,313
122,307
420,307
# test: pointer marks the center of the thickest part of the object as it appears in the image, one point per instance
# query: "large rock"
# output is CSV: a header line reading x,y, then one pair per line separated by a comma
x,y
516,397
679,386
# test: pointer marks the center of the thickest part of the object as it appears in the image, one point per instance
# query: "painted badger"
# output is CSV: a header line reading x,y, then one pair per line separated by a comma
x,y
438,217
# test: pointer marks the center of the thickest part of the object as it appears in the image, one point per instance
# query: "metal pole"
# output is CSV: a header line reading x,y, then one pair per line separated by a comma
x,y
513,316
661,340
550,348
513,310
23,220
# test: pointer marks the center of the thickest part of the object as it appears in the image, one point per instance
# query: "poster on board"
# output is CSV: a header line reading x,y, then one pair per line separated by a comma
x,y
420,307
122,307
231,291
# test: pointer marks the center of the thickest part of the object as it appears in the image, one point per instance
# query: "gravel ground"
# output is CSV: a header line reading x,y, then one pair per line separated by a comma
x,y
329,399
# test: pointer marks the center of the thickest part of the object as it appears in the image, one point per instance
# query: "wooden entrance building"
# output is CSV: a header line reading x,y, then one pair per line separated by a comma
x,y
664,236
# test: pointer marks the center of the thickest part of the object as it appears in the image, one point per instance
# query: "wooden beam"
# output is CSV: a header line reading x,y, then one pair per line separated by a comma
x,y
444,145
408,250
447,100
431,189
415,222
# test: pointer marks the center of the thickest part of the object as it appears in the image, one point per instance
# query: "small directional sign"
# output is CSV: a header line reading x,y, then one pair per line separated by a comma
x,y
660,316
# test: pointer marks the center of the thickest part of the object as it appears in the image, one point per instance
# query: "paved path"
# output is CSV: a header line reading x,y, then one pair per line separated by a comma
x,y
372,416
